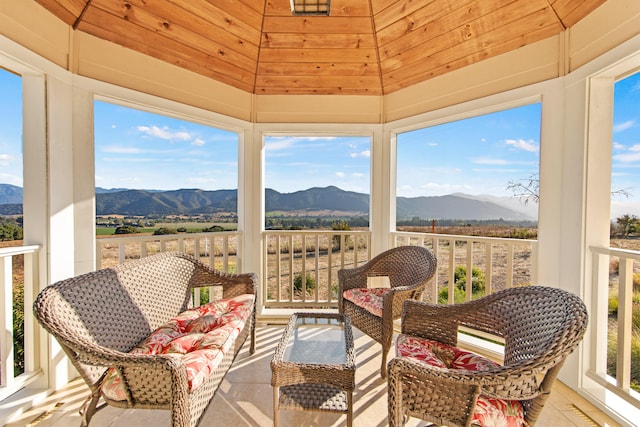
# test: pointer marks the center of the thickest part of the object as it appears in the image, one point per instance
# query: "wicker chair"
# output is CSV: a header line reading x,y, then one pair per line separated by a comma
x,y
98,317
541,326
409,268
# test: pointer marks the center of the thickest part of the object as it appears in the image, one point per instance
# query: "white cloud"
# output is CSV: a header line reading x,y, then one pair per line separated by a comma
x,y
489,161
198,142
340,174
7,178
277,144
618,146
165,133
627,158
357,175
619,127
6,159
365,153
632,155
118,149
445,188
432,144
521,144
494,170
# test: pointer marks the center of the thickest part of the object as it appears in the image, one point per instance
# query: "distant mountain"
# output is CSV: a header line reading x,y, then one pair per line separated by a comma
x,y
195,201
455,207
10,194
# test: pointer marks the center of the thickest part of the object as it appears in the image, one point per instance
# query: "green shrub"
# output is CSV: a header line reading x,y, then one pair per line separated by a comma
x,y
164,230
126,229
477,279
459,295
18,329
310,283
213,228
10,231
478,282
613,305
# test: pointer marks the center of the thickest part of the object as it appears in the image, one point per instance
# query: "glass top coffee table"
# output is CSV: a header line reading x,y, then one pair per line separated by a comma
x,y
314,365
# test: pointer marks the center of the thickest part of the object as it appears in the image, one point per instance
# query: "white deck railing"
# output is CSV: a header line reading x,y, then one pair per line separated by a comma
x,y
18,294
218,249
613,335
301,267
504,262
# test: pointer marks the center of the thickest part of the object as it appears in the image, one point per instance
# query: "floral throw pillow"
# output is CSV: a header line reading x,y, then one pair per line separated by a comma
x,y
368,298
200,336
489,412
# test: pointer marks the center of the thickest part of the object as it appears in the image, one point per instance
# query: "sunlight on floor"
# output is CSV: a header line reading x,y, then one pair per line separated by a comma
x,y
245,398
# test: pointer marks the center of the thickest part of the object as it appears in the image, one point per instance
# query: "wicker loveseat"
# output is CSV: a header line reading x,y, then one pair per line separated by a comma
x,y
131,326
435,381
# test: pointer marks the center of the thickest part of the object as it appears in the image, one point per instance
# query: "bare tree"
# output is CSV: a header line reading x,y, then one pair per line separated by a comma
x,y
528,189
525,189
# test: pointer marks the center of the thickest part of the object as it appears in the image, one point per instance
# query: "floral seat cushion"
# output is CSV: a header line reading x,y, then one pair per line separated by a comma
x,y
368,298
200,336
489,411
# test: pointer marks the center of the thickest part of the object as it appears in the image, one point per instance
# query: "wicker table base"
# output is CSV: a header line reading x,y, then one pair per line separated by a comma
x,y
313,368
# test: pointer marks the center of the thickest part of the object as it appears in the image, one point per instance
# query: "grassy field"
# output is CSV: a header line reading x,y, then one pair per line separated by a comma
x,y
191,227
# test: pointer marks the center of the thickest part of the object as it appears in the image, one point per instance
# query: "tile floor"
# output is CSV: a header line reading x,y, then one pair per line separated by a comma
x,y
245,399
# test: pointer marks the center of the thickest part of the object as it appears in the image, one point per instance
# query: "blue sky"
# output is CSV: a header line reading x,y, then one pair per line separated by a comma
x,y
136,149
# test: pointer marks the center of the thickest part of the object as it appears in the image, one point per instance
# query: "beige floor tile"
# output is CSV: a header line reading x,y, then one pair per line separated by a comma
x,y
245,398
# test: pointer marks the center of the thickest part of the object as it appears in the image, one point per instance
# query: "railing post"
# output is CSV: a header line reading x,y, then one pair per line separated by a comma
x,y
6,321
625,291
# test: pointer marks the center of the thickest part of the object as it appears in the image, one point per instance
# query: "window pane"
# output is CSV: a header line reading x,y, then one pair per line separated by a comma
x,y
492,159
162,175
313,181
11,182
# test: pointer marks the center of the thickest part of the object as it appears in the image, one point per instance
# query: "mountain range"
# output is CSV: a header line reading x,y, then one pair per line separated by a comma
x,y
194,201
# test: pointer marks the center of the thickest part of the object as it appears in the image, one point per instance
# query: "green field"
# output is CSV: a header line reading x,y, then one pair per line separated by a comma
x,y
191,227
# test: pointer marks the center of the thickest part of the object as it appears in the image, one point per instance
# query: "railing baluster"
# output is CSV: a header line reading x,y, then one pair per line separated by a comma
x,y
625,293
509,265
452,268
469,279
6,320
488,272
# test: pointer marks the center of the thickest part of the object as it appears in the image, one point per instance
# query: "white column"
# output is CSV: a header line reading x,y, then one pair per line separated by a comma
x,y
551,189
382,210
61,251
83,181
251,203
35,196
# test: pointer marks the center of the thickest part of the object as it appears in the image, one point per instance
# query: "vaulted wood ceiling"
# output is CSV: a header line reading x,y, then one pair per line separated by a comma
x,y
366,47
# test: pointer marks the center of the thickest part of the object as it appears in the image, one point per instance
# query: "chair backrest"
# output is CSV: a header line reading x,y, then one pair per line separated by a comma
x,y
404,265
540,324
116,307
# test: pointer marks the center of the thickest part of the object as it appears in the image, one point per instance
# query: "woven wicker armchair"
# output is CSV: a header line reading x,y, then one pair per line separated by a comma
x,y
541,326
98,317
409,268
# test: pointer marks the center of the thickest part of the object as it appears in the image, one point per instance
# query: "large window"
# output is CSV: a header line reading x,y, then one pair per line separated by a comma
x,y
10,146
625,230
11,183
312,182
483,168
473,177
157,172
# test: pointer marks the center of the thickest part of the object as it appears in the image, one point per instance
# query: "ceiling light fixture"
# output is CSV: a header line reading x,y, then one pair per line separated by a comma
x,y
310,7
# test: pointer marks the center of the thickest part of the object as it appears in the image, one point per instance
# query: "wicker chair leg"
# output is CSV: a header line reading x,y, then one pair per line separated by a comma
x,y
383,368
394,401
89,408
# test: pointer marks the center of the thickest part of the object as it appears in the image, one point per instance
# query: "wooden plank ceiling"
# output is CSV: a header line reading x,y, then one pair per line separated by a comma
x,y
366,47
